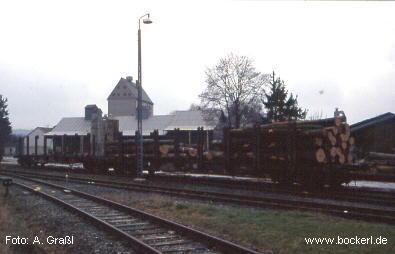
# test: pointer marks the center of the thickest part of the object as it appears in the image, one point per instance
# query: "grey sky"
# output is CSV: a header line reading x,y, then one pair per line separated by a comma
x,y
58,56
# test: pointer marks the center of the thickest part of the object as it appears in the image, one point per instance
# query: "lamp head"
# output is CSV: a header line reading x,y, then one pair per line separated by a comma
x,y
147,20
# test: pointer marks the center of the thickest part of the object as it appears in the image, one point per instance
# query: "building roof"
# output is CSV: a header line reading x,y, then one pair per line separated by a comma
x,y
372,121
91,106
131,88
184,120
128,124
71,126
42,129
188,120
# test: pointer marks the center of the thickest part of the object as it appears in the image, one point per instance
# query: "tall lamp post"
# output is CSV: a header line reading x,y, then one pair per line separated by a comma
x,y
139,82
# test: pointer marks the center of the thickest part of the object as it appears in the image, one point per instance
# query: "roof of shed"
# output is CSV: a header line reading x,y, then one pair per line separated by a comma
x,y
71,126
128,124
43,129
184,120
372,121
188,120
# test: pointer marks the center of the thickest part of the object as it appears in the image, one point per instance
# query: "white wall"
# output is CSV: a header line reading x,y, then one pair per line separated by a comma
x,y
40,143
122,107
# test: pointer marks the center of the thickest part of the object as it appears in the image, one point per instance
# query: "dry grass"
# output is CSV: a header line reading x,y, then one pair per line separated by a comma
x,y
270,230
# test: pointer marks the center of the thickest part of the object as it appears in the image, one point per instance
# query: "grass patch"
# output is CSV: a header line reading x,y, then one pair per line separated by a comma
x,y
271,230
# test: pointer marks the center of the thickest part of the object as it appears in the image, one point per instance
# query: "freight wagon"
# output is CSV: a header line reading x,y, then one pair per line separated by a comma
x,y
312,153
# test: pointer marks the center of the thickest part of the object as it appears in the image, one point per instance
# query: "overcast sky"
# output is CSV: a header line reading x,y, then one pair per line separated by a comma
x,y
58,56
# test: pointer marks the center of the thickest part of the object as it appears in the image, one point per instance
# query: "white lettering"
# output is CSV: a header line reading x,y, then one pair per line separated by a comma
x,y
36,240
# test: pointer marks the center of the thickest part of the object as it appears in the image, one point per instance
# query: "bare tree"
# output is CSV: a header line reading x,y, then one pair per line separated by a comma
x,y
233,87
194,106
316,115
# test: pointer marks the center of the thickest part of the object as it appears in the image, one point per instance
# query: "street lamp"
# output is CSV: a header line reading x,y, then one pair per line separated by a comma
x,y
139,83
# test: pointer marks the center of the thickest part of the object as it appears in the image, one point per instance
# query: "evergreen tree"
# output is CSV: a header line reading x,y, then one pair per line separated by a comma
x,y
280,106
5,125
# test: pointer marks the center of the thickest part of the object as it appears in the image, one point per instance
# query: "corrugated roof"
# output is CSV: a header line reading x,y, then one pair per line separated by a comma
x,y
128,124
132,88
43,129
184,120
189,120
372,121
71,126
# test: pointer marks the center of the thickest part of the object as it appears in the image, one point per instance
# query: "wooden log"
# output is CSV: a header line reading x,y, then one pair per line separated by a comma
x,y
342,159
344,137
320,155
209,156
250,155
332,129
333,151
344,145
164,149
320,122
381,156
332,138
192,152
276,158
339,151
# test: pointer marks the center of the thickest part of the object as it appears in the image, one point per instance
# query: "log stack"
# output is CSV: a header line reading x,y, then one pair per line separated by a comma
x,y
334,143
319,141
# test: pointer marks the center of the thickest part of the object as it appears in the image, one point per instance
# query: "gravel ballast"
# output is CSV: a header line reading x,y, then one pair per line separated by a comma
x,y
27,215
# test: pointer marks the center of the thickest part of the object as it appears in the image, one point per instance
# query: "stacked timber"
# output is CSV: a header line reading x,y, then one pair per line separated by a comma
x,y
295,142
216,151
380,162
318,141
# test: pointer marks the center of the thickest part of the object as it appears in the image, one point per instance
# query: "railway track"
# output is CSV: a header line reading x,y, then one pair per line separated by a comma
x,y
361,195
374,198
384,214
345,192
147,233
349,193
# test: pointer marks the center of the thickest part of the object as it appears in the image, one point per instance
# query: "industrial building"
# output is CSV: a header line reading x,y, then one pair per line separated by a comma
x,y
87,134
34,137
376,134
